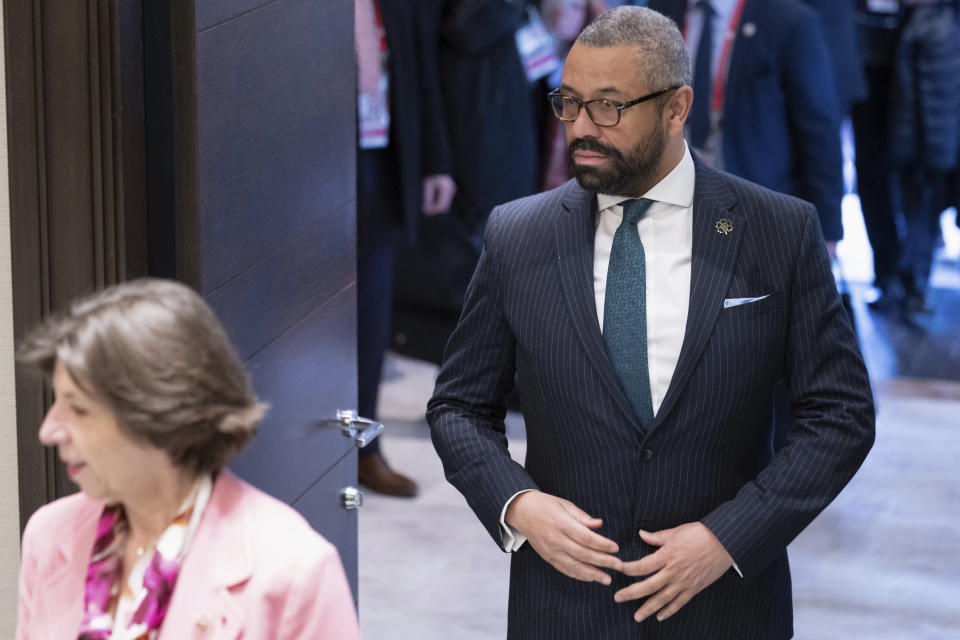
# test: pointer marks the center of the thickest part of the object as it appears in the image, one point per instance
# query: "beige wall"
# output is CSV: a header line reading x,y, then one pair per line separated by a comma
x,y
9,501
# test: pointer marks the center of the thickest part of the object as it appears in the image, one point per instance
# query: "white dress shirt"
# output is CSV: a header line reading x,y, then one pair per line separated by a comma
x,y
666,230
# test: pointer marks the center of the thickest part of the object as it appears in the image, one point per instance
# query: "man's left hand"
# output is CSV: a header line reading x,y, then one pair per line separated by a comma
x,y
690,559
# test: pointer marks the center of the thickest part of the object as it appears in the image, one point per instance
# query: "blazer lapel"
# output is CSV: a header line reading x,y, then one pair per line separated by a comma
x,y
219,557
574,231
717,232
65,588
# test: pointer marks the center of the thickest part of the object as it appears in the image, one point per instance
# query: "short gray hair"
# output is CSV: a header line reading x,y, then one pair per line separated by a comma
x,y
662,53
154,352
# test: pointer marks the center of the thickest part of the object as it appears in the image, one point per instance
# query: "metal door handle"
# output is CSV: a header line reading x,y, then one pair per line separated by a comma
x,y
351,498
362,430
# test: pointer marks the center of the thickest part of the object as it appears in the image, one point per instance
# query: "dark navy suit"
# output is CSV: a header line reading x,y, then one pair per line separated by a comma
x,y
530,312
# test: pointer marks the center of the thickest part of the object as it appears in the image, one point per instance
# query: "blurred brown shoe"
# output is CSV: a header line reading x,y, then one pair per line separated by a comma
x,y
377,476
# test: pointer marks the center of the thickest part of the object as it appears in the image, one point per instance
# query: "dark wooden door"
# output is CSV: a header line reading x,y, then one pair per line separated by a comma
x,y
264,150
212,141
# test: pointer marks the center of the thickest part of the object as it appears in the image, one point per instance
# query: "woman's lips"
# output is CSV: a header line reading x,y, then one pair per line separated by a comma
x,y
74,469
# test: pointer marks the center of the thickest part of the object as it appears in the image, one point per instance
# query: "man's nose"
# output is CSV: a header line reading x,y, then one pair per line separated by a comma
x,y
583,126
52,430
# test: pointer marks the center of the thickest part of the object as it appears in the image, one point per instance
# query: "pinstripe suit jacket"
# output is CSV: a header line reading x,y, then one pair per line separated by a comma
x,y
707,457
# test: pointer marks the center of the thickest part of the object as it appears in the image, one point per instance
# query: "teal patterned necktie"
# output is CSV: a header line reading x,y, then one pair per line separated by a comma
x,y
625,310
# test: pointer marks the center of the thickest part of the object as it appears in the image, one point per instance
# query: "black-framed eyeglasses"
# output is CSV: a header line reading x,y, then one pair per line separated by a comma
x,y
603,112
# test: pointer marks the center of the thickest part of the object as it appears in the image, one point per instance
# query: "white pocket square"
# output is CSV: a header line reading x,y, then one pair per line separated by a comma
x,y
736,302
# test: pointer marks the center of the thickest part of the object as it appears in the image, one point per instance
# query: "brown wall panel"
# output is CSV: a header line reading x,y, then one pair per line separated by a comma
x,y
67,120
69,180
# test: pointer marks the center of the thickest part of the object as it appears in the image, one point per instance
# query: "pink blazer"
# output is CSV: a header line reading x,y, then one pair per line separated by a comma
x,y
254,570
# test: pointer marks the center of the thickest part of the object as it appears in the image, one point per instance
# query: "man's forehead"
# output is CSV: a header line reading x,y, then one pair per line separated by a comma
x,y
603,69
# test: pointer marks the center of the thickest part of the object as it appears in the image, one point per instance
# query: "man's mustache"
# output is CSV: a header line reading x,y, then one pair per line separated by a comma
x,y
589,144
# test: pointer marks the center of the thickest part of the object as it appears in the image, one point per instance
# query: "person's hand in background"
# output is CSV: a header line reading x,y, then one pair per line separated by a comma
x,y
438,192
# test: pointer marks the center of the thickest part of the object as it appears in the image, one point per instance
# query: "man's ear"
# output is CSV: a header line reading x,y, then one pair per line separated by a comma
x,y
677,109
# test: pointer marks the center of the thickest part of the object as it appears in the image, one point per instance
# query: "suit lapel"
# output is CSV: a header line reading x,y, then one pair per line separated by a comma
x,y
574,231
66,587
220,557
713,261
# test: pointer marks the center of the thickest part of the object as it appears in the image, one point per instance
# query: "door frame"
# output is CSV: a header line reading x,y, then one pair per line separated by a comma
x,y
102,97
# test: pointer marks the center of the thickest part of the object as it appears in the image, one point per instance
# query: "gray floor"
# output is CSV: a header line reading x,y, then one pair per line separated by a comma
x,y
883,561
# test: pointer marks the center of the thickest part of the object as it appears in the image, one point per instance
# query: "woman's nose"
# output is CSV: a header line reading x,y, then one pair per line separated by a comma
x,y
52,430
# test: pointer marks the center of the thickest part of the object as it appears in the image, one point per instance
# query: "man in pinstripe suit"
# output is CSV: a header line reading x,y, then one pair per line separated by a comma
x,y
660,510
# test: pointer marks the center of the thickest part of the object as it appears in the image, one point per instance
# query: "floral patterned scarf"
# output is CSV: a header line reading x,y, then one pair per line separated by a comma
x,y
142,603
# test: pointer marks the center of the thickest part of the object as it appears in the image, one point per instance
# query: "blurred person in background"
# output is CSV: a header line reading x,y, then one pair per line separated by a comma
x,y
491,109
879,26
403,173
564,19
765,100
840,34
150,403
925,134
906,133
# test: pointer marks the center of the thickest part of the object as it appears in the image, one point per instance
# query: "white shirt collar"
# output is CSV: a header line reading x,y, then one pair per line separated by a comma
x,y
676,188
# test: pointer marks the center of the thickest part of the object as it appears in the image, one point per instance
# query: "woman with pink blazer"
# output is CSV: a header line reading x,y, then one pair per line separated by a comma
x,y
163,543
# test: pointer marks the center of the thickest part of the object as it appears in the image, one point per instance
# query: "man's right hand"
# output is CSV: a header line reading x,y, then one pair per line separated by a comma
x,y
563,536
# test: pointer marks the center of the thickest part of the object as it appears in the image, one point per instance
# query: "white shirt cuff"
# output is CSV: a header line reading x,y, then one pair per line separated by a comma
x,y
737,569
510,539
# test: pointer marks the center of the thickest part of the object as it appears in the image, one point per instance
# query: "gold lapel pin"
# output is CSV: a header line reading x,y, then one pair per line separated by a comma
x,y
724,226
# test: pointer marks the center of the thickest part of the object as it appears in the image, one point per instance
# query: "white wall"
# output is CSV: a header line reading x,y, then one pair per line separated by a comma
x,y
9,501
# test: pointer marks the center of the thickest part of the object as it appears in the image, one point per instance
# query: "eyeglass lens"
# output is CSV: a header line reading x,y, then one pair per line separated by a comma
x,y
600,111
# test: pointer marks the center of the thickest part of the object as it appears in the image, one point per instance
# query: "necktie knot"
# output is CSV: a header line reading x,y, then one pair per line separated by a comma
x,y
634,209
706,7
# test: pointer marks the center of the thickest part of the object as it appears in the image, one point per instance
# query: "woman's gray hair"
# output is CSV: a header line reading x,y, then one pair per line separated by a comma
x,y
661,51
156,355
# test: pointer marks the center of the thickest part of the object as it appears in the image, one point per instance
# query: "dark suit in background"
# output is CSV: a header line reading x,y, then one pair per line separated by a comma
x,y
840,32
390,181
707,456
491,114
781,115
878,35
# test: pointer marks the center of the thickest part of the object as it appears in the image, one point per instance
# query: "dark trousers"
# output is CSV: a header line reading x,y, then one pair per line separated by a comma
x,y
922,193
871,130
378,231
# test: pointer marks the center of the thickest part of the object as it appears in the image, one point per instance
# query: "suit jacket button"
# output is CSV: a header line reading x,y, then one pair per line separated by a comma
x,y
646,454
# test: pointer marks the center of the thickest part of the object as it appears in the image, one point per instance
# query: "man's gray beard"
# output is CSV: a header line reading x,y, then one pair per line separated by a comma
x,y
629,173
